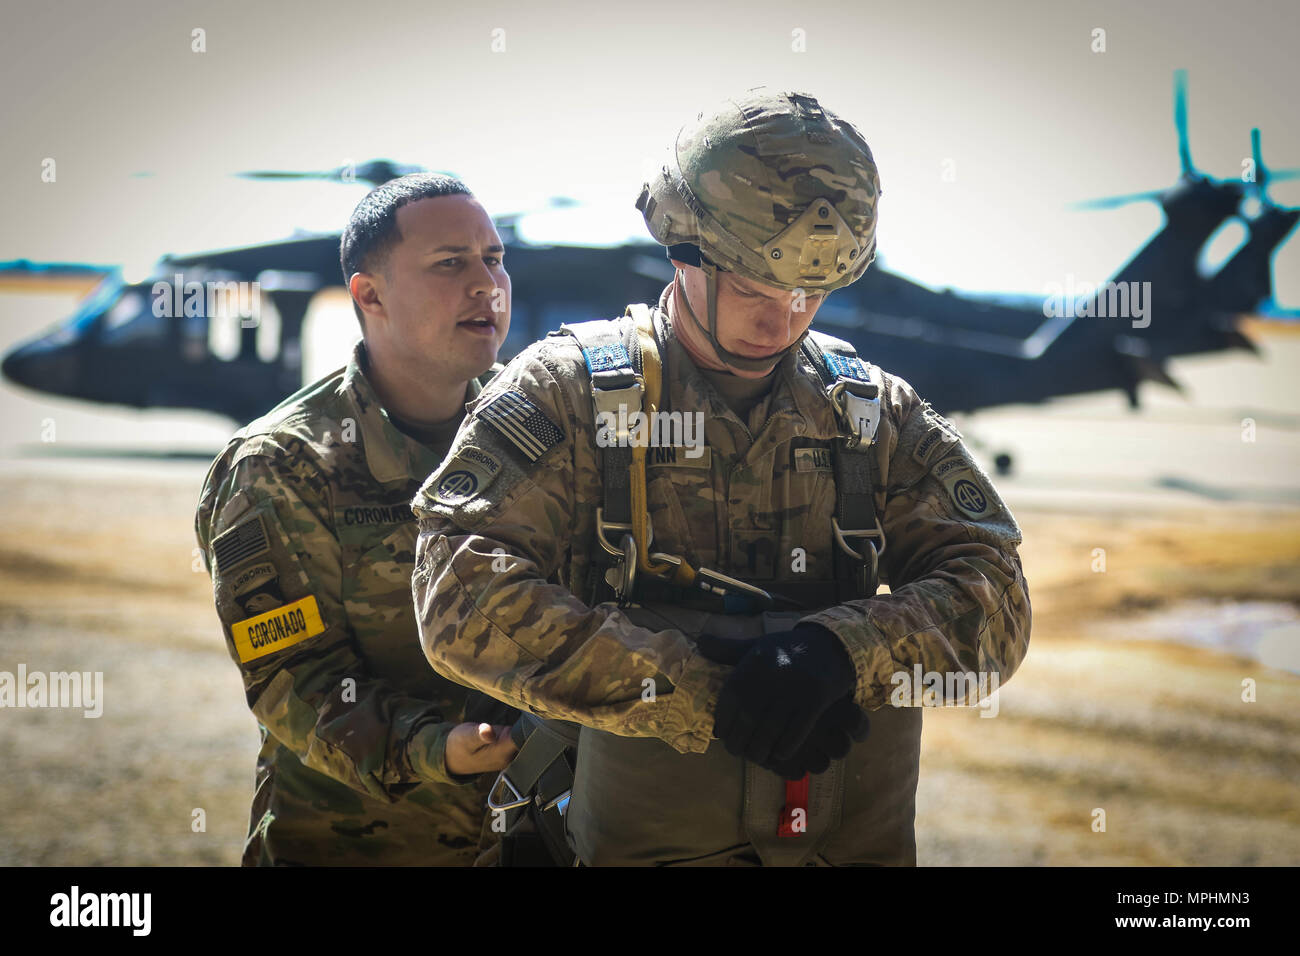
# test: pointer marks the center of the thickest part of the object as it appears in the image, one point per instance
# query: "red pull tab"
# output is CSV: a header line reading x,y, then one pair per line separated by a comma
x,y
794,816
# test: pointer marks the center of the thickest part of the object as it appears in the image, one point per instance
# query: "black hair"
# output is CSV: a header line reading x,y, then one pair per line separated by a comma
x,y
372,231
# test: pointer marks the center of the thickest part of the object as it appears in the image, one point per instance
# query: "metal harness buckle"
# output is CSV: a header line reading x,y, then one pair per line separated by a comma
x,y
719,584
614,551
518,799
561,802
622,576
841,537
857,404
867,572
623,391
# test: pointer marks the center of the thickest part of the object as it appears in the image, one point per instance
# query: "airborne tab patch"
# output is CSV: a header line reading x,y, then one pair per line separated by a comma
x,y
521,422
966,491
935,438
257,589
941,434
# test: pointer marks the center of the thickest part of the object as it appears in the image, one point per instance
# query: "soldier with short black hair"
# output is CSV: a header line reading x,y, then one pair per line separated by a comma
x,y
368,757
702,616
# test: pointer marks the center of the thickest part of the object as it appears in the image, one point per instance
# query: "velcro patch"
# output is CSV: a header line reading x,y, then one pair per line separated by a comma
x,y
847,366
937,437
252,578
605,357
257,589
241,543
466,476
522,423
964,488
812,459
679,456
277,629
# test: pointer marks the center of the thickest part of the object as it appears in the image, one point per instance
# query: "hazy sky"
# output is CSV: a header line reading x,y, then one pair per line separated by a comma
x,y
1008,95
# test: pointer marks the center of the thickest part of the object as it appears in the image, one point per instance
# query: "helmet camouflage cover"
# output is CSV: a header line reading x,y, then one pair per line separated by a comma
x,y
771,186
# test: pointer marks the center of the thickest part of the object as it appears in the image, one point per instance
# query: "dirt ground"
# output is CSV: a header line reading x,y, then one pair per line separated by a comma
x,y
98,572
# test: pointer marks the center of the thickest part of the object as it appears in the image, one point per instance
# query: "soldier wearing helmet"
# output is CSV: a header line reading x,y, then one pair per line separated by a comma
x,y
662,536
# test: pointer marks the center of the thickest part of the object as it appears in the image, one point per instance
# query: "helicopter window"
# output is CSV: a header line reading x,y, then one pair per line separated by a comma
x,y
328,333
224,336
268,332
132,321
123,311
1221,246
97,303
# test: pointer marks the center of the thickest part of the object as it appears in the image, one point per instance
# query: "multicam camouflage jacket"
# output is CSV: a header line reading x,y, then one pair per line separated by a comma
x,y
307,530
507,528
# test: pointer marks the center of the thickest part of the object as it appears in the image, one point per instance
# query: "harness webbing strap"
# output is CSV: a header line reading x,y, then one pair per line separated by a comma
x,y
534,789
840,369
613,360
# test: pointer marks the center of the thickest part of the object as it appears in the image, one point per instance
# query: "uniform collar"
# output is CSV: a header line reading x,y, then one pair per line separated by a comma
x,y
391,455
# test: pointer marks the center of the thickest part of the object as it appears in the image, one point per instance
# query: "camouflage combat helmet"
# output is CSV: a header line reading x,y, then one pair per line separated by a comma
x,y
773,187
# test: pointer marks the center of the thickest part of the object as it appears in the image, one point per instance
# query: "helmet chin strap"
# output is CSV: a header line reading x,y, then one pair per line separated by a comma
x,y
730,359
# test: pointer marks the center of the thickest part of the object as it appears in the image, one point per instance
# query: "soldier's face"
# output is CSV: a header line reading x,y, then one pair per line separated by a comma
x,y
754,320
444,288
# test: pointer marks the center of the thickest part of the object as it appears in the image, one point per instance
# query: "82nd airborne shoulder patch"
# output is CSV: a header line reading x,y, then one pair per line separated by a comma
x,y
964,488
466,476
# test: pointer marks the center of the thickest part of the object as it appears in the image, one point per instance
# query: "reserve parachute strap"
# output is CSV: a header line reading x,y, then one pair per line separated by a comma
x,y
537,784
856,399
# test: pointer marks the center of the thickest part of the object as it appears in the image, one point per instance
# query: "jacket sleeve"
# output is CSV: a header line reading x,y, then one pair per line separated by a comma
x,y
958,605
493,588
265,528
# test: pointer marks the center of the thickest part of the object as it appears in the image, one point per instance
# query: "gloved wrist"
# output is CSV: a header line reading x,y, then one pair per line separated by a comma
x,y
833,656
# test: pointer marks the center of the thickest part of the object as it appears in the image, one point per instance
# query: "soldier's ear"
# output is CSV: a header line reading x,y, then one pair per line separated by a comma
x,y
367,292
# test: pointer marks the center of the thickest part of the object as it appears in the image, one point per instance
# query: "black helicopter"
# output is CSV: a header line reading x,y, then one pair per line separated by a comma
x,y
963,353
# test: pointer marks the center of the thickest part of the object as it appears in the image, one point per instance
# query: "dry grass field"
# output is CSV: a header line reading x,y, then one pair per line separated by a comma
x,y
97,573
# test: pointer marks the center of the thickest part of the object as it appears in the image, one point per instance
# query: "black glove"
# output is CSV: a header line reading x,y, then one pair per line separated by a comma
x,y
840,724
780,686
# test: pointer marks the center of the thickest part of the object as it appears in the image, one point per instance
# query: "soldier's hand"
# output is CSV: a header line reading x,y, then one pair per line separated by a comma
x,y
778,691
842,723
478,748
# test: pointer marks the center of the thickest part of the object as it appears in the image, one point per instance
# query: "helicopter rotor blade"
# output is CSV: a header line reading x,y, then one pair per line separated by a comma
x,y
1180,121
1261,172
1111,202
281,174
374,172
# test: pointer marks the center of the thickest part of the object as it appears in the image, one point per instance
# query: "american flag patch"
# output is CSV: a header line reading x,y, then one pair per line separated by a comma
x,y
239,544
522,422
